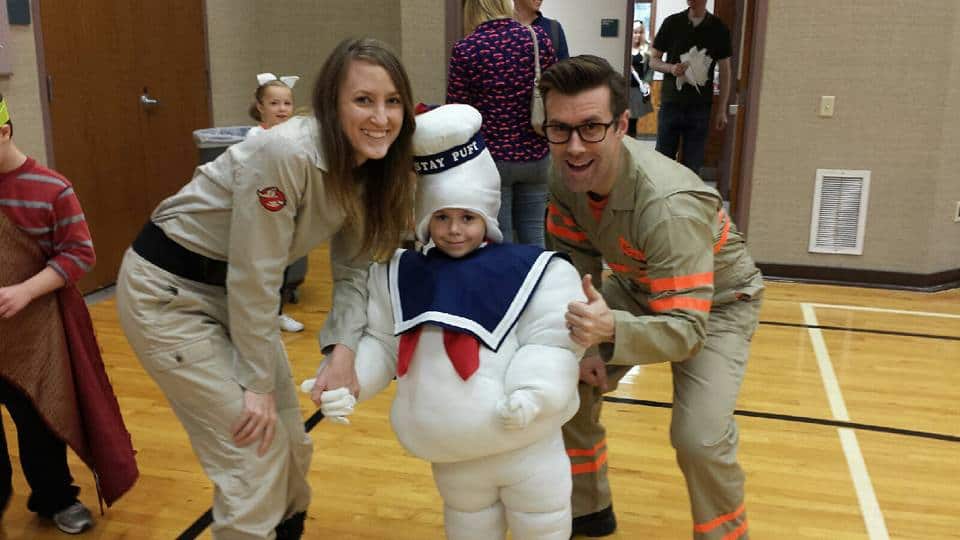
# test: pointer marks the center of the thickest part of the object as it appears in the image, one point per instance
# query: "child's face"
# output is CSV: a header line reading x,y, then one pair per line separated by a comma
x,y
370,110
457,232
276,105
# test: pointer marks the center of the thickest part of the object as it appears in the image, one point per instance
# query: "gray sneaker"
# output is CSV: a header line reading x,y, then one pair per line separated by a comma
x,y
73,519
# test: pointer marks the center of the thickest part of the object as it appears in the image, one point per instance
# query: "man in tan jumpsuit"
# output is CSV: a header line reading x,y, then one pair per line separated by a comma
x,y
683,290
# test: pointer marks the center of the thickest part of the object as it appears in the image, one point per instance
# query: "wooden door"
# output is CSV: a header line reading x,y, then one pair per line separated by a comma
x,y
123,157
95,127
731,172
173,70
724,148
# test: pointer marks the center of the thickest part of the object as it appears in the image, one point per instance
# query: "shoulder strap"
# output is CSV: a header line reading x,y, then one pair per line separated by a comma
x,y
536,56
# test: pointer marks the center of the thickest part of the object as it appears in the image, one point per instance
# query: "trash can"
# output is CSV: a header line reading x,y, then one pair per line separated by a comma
x,y
212,142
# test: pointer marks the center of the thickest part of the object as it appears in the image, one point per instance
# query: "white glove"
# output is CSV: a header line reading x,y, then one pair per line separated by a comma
x,y
517,410
334,404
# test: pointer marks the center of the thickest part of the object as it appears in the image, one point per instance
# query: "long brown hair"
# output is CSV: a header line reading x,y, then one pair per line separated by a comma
x,y
378,195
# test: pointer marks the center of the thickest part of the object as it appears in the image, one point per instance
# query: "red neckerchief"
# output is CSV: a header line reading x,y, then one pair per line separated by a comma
x,y
462,349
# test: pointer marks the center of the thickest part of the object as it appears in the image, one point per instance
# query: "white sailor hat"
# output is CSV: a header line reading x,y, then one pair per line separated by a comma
x,y
454,168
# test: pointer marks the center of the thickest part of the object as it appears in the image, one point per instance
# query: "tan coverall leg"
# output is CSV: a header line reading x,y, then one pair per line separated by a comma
x,y
179,331
702,429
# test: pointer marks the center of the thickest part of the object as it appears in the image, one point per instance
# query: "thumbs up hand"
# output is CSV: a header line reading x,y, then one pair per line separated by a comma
x,y
590,322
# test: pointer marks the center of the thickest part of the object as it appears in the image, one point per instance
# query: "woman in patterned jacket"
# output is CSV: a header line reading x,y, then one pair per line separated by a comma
x,y
492,69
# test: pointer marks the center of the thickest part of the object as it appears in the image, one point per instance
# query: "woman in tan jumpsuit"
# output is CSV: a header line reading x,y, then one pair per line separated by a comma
x,y
198,290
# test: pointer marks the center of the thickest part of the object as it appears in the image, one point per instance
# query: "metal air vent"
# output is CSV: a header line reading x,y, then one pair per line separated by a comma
x,y
839,212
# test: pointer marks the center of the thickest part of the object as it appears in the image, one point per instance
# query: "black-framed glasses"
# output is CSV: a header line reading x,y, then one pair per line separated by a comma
x,y
589,132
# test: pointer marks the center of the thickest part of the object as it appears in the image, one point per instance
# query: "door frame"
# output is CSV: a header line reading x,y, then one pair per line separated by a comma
x,y
454,32
750,103
746,95
44,86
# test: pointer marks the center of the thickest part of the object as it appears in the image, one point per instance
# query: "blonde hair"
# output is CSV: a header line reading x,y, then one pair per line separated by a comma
x,y
477,12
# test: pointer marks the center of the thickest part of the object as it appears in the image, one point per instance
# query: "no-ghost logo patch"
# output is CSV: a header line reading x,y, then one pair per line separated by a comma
x,y
271,198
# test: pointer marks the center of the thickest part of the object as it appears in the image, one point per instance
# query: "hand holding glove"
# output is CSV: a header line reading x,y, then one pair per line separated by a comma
x,y
335,404
517,410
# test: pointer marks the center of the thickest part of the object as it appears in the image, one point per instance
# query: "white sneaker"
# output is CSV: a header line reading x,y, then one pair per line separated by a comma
x,y
289,324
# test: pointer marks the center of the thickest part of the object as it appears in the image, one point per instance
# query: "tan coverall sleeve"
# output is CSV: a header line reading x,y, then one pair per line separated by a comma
x,y
348,315
376,362
260,239
679,253
565,236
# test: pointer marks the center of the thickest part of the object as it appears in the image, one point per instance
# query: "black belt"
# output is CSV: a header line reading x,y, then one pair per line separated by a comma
x,y
155,246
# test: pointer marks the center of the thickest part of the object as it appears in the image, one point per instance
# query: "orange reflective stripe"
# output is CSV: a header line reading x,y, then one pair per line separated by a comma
x,y
724,233
736,533
622,268
680,302
638,275
572,452
631,251
553,211
565,233
566,229
678,283
590,467
720,520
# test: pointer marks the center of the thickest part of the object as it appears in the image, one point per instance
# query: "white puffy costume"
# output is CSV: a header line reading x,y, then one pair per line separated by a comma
x,y
489,420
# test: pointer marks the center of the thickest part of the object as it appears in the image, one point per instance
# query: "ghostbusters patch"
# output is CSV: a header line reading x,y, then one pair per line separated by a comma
x,y
271,198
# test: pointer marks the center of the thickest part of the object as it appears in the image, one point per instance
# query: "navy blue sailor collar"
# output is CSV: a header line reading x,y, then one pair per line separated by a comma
x,y
482,294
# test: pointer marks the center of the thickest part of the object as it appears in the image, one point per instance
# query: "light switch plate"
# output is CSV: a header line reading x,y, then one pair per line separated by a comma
x,y
827,105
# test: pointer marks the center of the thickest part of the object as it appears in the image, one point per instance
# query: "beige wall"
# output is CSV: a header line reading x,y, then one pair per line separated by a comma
x,y
897,105
945,237
247,37
581,26
893,67
233,47
22,92
424,48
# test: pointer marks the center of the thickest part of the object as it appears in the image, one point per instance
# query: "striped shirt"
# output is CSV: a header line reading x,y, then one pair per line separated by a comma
x,y
492,70
41,203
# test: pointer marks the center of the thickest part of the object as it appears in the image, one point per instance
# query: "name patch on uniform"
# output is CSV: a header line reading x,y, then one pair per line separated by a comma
x,y
437,163
271,198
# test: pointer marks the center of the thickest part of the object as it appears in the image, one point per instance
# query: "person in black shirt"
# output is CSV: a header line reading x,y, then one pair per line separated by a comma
x,y
685,109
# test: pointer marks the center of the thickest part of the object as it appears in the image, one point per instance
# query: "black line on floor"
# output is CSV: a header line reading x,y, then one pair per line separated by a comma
x,y
204,521
862,330
801,419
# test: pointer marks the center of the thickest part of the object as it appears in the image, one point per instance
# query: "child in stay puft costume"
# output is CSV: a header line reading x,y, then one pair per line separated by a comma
x,y
474,330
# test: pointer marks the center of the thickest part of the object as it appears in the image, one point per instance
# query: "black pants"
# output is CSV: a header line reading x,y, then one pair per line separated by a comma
x,y
43,457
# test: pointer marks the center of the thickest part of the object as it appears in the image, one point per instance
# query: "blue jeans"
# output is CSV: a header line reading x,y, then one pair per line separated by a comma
x,y
691,123
523,200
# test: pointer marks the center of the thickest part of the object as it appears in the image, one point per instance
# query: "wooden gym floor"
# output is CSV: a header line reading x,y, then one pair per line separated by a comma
x,y
849,420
